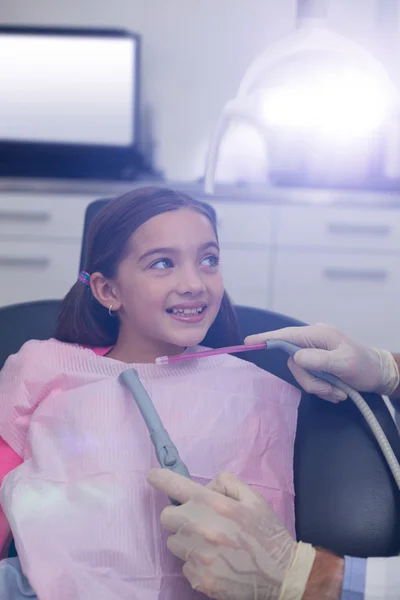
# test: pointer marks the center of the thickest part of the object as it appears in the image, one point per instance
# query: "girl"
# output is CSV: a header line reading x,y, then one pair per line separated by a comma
x,y
85,522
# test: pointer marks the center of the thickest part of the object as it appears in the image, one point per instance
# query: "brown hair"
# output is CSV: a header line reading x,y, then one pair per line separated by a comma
x,y
82,319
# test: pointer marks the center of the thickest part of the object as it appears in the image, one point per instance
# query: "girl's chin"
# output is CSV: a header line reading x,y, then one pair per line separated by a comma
x,y
180,343
184,335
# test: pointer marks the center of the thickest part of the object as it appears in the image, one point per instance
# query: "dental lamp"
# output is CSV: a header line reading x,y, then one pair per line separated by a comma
x,y
314,84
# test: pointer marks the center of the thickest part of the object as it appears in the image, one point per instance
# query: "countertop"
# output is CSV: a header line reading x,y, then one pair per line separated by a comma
x,y
254,194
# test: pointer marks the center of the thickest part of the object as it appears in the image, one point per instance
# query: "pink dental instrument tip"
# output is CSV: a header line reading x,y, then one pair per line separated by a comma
x,y
165,360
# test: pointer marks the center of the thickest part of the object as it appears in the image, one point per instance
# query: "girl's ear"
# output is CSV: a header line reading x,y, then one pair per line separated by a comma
x,y
105,291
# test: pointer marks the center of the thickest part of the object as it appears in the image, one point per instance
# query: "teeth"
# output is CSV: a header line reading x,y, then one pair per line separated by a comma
x,y
188,311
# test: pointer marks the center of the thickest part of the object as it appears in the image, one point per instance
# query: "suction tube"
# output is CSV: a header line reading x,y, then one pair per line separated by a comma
x,y
166,451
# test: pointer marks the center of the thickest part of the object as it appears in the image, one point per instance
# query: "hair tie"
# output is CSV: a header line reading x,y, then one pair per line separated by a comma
x,y
84,278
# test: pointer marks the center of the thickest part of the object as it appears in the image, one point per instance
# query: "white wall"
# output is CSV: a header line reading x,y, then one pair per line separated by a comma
x,y
194,55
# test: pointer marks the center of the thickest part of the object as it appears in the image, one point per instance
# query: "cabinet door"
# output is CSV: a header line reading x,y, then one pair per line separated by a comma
x,y
358,293
36,270
244,224
342,229
246,275
36,215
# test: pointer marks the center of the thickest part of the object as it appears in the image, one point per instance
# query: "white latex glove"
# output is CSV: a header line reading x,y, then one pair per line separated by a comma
x,y
233,544
328,349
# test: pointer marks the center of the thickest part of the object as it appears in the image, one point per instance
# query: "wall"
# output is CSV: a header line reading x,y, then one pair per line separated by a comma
x,y
194,55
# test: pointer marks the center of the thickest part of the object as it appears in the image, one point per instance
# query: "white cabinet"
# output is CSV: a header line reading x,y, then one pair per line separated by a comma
x,y
341,266
244,223
340,229
245,233
246,273
37,270
40,243
42,215
356,292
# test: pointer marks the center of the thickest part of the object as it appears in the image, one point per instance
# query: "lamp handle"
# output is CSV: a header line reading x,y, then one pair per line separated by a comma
x,y
312,9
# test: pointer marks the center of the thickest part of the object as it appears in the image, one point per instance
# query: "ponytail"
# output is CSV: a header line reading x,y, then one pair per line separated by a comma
x,y
82,320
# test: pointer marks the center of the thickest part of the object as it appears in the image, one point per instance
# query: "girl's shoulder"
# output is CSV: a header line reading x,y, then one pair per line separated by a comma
x,y
36,349
31,353
25,380
39,356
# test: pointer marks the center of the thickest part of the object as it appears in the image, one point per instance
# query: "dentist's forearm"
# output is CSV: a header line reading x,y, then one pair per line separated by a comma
x,y
326,578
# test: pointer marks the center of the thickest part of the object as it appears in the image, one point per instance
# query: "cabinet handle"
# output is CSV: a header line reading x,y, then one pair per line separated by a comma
x,y
358,274
34,216
39,262
355,229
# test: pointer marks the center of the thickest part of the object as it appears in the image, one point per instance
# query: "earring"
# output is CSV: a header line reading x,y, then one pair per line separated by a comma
x,y
111,312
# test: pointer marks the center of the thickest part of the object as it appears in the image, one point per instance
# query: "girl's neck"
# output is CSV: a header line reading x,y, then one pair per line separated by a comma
x,y
141,351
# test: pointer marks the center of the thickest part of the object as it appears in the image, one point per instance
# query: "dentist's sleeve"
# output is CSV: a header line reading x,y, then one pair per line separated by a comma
x,y
372,579
382,580
355,570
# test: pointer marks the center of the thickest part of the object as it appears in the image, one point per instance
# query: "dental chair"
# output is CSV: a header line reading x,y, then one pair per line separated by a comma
x,y
346,498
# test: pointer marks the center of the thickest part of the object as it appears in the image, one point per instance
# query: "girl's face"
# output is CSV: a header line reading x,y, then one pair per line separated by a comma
x,y
169,288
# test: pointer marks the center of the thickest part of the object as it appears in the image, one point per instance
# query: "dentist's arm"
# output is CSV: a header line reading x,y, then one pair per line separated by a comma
x,y
325,348
326,577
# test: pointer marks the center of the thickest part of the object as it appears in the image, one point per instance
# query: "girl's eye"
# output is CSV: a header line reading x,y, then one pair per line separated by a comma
x,y
210,261
163,263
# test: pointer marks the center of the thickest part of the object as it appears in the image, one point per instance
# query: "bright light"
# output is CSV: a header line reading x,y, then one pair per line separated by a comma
x,y
344,104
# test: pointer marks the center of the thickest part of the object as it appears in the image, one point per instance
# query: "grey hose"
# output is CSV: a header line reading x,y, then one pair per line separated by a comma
x,y
358,400
375,428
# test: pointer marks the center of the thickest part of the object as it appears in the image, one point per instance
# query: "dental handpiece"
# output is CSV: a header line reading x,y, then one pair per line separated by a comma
x,y
166,451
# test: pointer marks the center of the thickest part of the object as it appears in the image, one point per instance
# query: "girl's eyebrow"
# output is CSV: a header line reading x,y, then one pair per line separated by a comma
x,y
172,250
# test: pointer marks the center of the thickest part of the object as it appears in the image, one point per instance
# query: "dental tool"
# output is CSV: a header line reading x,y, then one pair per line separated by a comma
x,y
166,360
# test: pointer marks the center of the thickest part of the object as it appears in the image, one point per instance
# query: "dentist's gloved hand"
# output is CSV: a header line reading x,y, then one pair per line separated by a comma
x,y
328,349
233,544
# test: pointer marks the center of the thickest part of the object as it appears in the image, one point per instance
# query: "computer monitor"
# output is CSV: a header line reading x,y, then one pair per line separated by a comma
x,y
69,102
